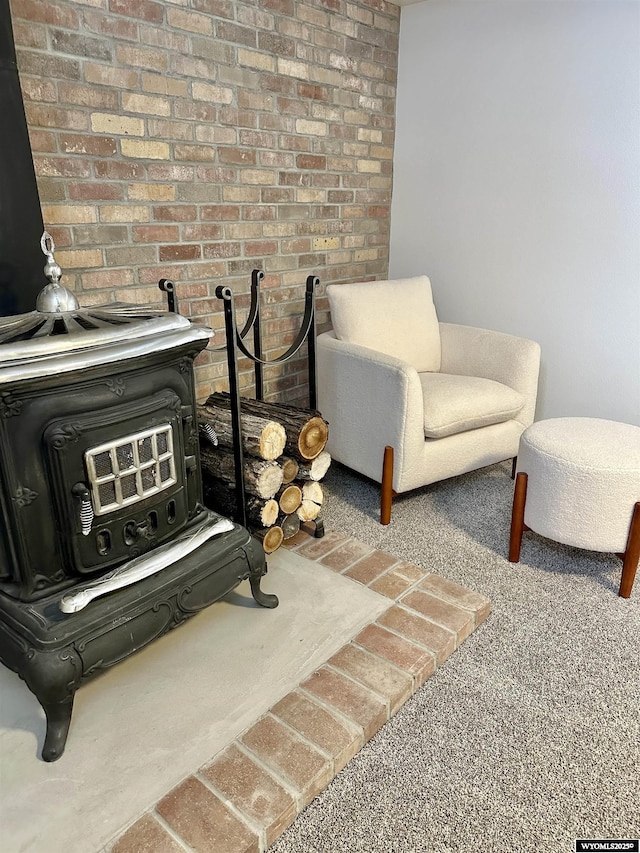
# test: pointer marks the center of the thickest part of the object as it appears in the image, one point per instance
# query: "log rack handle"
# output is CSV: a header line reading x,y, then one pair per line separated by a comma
x,y
168,287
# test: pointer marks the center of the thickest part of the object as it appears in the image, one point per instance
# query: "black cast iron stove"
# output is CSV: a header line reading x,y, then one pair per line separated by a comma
x,y
106,544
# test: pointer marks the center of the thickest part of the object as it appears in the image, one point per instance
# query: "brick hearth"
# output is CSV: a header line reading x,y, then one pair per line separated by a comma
x,y
247,795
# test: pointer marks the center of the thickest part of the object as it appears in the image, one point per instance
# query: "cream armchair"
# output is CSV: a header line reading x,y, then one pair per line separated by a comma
x,y
411,401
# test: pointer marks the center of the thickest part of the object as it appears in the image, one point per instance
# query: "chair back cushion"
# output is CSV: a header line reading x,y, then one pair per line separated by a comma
x,y
454,404
394,317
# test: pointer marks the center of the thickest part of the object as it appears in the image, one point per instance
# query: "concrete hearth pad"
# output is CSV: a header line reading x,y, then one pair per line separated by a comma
x,y
141,727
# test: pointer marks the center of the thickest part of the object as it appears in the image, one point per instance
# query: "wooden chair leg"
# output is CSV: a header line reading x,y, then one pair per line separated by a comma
x,y
386,492
514,465
517,517
631,555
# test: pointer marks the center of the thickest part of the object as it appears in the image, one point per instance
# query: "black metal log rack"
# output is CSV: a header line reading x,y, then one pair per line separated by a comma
x,y
235,344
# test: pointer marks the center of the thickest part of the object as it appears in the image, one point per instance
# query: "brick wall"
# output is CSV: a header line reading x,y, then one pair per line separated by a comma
x,y
199,139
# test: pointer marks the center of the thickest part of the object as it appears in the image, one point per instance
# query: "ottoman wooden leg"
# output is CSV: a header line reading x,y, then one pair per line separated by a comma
x,y
517,517
632,555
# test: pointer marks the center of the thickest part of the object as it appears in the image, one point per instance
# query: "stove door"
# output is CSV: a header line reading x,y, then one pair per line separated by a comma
x,y
119,480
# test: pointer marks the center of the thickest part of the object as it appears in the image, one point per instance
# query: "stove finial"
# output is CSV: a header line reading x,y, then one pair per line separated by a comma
x,y
54,298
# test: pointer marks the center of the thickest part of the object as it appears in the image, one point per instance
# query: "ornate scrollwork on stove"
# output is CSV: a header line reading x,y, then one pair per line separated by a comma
x,y
41,582
23,496
10,407
191,437
63,434
116,386
109,644
185,365
174,403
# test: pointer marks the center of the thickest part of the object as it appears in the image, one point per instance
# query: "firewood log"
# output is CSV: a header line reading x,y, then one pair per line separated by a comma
x,y
290,524
311,504
316,469
289,468
271,538
289,498
262,477
306,429
221,497
260,436
313,491
308,511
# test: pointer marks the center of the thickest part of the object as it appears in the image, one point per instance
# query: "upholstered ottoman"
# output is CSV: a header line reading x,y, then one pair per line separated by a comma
x,y
578,483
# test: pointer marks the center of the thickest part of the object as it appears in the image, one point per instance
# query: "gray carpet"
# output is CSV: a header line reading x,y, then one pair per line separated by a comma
x,y
528,737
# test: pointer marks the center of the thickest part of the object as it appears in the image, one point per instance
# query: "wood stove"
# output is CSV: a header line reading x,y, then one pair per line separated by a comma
x,y
106,544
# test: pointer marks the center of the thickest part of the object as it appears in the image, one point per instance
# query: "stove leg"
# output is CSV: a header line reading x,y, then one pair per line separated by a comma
x,y
58,721
53,677
263,598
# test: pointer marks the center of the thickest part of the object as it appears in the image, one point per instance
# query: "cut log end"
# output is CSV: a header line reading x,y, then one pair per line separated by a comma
x,y
269,513
271,538
313,491
289,469
316,468
308,511
272,440
290,498
313,438
290,525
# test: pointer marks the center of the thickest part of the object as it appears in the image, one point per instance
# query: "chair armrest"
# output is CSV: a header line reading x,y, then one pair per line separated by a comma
x,y
370,400
514,361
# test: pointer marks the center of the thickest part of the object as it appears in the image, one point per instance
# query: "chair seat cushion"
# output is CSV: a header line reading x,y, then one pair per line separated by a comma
x,y
455,404
395,317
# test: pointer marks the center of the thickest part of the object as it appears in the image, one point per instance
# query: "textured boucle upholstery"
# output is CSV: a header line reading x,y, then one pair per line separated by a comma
x,y
373,398
583,480
459,403
394,317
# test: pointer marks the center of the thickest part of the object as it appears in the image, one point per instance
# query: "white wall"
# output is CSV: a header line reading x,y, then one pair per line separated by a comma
x,y
517,183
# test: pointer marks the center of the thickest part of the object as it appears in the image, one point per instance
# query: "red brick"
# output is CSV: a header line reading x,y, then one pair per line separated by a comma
x,y
414,627
222,250
45,12
143,9
319,725
179,252
316,93
155,233
258,213
118,171
243,156
370,567
62,167
316,548
311,161
459,595
175,213
43,141
204,821
202,232
345,555
414,659
95,191
448,615
252,790
375,673
220,212
359,704
392,585
304,767
146,836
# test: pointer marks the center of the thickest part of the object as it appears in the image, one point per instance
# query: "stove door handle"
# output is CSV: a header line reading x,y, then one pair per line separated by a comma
x,y
146,565
85,512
